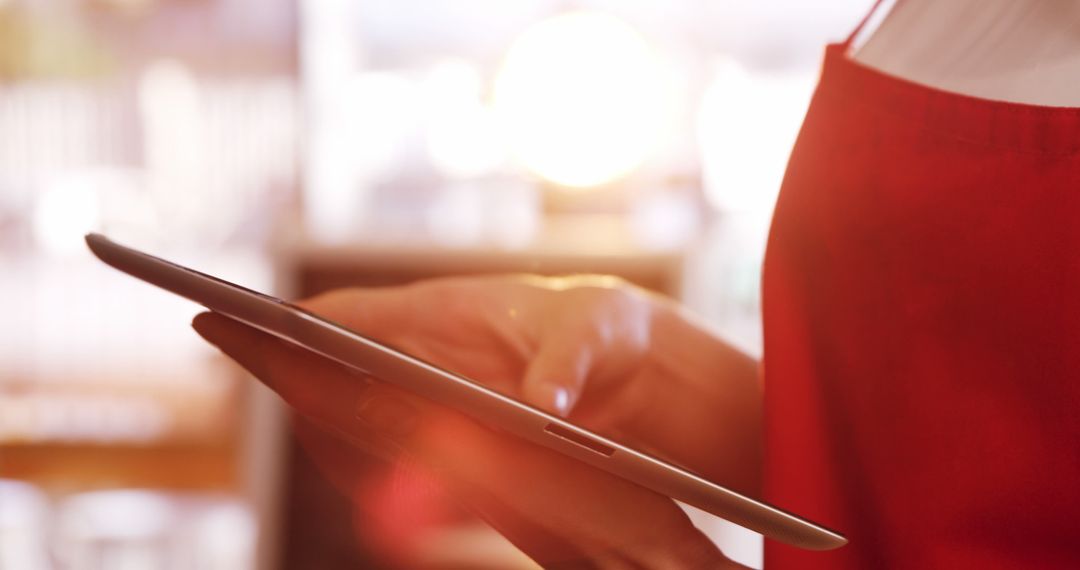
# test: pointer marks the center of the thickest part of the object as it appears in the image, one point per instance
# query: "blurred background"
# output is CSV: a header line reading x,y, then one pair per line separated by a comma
x,y
295,146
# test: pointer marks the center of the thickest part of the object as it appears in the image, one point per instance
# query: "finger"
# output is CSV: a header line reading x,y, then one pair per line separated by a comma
x,y
331,395
343,462
556,374
298,375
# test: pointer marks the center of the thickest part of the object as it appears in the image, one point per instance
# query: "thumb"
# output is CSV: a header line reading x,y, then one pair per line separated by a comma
x,y
556,375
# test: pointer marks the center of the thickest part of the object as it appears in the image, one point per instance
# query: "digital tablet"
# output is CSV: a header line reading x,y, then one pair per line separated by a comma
x,y
485,405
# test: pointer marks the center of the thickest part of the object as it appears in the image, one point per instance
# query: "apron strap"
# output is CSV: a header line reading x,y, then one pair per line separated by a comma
x,y
862,24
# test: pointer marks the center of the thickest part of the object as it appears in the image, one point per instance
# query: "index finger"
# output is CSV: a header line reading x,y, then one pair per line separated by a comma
x,y
326,392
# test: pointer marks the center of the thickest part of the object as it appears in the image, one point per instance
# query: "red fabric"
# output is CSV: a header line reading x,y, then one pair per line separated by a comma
x,y
922,329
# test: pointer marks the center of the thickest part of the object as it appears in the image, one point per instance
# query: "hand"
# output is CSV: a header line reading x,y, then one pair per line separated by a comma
x,y
560,337
619,360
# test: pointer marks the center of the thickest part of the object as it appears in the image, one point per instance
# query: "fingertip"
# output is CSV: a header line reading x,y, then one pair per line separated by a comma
x,y
203,325
235,339
551,397
240,342
201,320
212,327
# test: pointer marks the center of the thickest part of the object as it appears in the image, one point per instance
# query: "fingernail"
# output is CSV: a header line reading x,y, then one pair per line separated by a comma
x,y
389,416
562,400
556,397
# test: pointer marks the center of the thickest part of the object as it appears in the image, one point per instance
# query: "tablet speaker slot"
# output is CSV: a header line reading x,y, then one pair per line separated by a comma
x,y
576,438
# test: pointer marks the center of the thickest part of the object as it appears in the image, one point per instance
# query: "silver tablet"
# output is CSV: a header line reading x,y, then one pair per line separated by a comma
x,y
485,405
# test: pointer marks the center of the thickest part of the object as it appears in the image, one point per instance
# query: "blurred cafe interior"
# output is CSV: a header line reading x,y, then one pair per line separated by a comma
x,y
294,147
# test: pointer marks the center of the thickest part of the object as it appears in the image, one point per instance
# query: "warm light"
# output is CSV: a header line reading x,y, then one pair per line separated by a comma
x,y
747,125
583,98
463,135
64,212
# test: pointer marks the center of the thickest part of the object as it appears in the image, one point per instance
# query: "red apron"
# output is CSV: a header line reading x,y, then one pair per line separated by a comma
x,y
922,328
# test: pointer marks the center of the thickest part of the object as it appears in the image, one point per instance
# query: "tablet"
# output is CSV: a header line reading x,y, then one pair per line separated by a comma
x,y
489,407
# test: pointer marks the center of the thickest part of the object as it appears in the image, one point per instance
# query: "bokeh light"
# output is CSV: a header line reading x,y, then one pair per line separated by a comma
x,y
584,98
746,126
464,138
